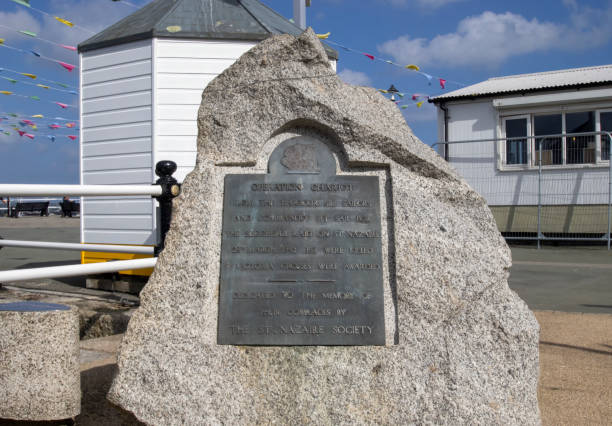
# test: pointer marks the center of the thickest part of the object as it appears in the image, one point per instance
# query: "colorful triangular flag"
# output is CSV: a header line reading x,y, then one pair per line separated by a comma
x,y
69,67
63,21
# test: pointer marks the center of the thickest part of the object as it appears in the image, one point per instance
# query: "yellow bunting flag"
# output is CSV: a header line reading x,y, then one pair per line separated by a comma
x,y
6,92
1,41
38,116
32,76
63,21
43,86
323,36
413,67
419,104
383,91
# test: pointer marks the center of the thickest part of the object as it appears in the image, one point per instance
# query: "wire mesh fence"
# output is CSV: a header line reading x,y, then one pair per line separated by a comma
x,y
542,187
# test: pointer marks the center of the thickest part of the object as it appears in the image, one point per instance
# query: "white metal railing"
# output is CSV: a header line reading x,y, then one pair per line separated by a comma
x,y
164,190
107,248
91,190
76,270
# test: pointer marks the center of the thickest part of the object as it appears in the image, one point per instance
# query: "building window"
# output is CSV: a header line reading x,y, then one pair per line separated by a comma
x,y
605,119
571,147
516,150
552,152
580,149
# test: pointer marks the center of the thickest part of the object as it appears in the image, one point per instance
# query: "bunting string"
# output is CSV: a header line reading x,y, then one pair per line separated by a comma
x,y
34,77
11,115
36,98
65,65
42,86
66,22
32,34
23,133
412,67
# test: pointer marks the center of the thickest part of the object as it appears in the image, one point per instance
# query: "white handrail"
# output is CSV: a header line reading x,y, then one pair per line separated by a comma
x,y
107,248
76,270
61,190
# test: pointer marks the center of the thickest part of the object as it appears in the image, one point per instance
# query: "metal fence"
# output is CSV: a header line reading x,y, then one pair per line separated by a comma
x,y
544,187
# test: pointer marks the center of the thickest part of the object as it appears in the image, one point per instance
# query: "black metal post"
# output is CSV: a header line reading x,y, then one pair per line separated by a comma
x,y
170,189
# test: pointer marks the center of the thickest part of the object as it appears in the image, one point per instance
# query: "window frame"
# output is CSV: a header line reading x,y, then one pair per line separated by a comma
x,y
598,145
530,114
527,118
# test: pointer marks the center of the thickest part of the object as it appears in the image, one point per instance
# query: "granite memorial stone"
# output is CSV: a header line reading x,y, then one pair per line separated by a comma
x,y
448,342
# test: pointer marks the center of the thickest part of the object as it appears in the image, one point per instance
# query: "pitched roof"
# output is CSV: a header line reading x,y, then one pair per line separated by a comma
x,y
541,81
204,19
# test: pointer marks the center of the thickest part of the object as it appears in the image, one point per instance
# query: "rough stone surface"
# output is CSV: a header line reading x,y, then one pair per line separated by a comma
x,y
39,367
461,347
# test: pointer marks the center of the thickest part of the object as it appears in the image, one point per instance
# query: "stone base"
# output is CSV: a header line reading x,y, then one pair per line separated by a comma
x,y
39,371
114,282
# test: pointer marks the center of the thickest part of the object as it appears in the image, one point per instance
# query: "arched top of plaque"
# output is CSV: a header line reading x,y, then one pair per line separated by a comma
x,y
302,155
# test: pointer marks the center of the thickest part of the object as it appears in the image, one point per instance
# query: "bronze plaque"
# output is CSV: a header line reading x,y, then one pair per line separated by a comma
x,y
301,260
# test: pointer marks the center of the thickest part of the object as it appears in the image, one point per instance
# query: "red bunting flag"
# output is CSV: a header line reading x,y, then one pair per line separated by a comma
x,y
69,67
68,47
442,82
369,56
62,105
29,136
415,97
72,137
21,133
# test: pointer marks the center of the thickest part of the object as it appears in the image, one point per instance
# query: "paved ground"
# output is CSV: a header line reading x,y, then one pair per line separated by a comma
x,y
563,279
553,278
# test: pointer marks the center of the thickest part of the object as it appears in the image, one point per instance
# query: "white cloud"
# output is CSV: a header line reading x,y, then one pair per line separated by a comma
x,y
490,38
356,78
89,17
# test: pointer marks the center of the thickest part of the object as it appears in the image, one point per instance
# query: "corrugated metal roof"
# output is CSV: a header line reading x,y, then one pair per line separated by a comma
x,y
207,19
541,81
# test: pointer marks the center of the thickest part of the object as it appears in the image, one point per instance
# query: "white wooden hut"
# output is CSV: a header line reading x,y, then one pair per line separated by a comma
x,y
575,169
141,83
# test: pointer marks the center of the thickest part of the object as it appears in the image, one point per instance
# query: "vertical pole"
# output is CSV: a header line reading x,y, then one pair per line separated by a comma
x,y
8,206
170,189
609,188
299,13
539,191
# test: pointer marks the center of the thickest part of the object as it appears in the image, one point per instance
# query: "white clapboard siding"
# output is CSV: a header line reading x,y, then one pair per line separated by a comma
x,y
116,138
130,100
478,164
183,68
118,205
117,87
117,162
118,146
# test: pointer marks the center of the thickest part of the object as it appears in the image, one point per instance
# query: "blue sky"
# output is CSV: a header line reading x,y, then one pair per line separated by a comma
x,y
462,41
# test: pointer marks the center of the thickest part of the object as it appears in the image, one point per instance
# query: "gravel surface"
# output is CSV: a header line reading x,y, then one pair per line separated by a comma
x,y
575,368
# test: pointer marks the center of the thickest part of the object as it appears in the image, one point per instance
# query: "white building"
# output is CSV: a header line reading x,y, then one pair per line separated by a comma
x,y
141,83
575,169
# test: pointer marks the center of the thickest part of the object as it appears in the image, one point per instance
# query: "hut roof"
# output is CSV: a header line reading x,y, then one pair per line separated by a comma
x,y
200,19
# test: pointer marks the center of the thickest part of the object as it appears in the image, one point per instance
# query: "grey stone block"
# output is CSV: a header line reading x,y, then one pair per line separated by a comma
x,y
39,368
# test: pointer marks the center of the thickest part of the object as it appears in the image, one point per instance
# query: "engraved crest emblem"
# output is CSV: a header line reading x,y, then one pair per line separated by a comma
x,y
300,157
